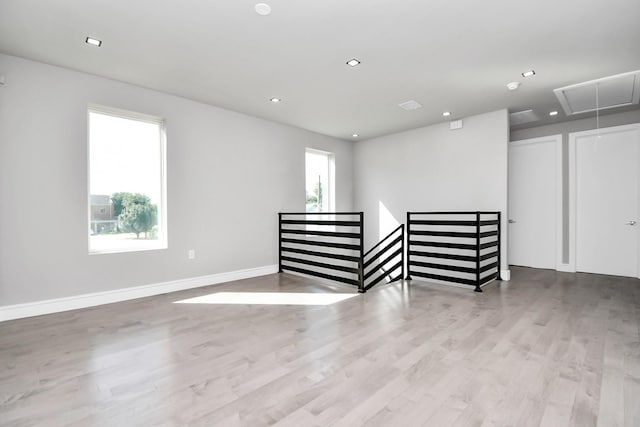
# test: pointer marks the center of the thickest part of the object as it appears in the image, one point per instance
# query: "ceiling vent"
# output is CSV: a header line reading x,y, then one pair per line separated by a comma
x,y
522,117
410,105
613,91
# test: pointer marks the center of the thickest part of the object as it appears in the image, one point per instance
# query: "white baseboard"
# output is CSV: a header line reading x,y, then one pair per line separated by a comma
x,y
505,275
567,268
37,308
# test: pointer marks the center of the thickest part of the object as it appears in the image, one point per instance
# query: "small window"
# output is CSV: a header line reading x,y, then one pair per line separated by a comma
x,y
127,203
319,167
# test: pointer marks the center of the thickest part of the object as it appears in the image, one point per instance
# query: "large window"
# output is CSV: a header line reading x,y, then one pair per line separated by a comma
x,y
319,168
127,210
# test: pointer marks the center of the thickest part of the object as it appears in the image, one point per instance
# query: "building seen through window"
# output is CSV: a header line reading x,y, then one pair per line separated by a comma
x,y
126,181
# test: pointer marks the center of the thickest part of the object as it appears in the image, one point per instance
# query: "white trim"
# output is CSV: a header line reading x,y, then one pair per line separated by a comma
x,y
37,308
571,176
505,275
573,214
163,242
331,172
559,200
557,140
125,114
566,268
332,181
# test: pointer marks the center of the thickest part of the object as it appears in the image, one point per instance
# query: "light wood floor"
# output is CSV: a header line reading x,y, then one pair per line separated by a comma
x,y
546,349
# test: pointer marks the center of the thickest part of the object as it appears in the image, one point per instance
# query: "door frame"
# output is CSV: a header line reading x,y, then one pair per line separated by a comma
x,y
557,141
573,179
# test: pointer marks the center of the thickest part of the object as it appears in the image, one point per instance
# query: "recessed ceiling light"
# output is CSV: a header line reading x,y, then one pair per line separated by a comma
x,y
353,62
553,113
93,42
513,85
446,113
275,100
355,135
262,9
529,73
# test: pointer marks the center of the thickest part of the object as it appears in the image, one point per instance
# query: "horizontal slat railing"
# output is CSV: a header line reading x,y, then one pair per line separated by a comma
x,y
324,275
320,222
456,247
463,249
491,277
319,245
460,280
325,233
439,222
444,267
321,254
488,255
321,264
488,267
443,245
443,233
323,244
327,245
443,256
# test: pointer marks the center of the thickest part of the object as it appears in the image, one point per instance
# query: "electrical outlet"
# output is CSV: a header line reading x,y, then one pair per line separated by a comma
x,y
192,254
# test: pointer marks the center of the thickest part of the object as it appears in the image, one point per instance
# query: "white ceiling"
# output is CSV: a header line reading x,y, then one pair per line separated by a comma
x,y
452,55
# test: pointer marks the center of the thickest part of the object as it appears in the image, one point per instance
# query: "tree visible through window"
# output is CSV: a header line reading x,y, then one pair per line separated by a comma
x,y
126,181
318,169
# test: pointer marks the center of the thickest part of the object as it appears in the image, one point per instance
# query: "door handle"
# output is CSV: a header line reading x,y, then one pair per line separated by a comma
x,y
630,223
513,221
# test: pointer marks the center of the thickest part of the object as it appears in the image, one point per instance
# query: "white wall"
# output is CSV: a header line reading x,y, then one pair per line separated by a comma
x,y
434,169
228,176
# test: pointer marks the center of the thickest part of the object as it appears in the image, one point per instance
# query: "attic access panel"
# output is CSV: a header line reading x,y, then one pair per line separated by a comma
x,y
613,91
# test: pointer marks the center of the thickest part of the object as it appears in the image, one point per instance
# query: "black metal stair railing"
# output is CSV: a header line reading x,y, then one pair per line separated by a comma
x,y
331,246
326,245
457,247
385,258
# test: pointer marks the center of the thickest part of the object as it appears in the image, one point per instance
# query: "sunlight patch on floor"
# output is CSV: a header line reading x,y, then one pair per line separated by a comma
x,y
268,298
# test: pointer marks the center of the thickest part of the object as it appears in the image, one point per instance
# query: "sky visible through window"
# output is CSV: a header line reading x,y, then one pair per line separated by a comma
x,y
125,156
125,159
317,169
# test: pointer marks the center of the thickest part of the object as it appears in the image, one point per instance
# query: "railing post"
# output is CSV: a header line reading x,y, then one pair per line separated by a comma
x,y
499,245
408,246
478,289
401,251
361,257
279,242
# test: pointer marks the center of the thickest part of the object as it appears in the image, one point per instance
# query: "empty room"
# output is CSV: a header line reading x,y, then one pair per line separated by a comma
x,y
334,213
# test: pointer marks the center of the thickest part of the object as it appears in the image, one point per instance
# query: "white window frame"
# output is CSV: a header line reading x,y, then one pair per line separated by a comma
x,y
163,241
331,172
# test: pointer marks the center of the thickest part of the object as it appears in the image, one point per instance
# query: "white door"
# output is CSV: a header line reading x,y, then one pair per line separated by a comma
x,y
533,201
606,200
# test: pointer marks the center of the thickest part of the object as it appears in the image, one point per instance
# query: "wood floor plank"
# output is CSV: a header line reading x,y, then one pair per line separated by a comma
x,y
545,349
